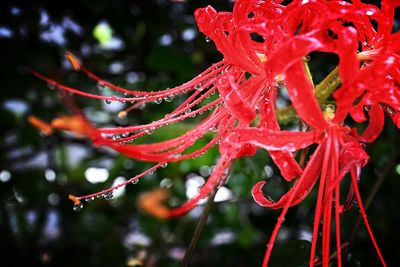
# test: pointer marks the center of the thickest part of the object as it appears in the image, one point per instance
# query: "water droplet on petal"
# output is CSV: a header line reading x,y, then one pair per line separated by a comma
x,y
150,130
108,195
101,85
198,87
164,165
369,13
367,107
136,181
115,137
158,101
169,98
125,135
89,199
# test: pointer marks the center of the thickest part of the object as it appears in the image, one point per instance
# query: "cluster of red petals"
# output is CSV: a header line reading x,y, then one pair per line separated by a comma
x,y
264,45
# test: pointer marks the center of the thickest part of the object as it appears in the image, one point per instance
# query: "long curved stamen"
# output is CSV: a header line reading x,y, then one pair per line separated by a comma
x,y
364,216
134,178
298,185
318,208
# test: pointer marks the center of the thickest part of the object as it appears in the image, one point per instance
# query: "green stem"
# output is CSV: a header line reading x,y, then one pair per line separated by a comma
x,y
198,230
325,88
308,72
322,91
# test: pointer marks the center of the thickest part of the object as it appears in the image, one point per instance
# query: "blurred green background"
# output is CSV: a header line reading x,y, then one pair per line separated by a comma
x,y
142,44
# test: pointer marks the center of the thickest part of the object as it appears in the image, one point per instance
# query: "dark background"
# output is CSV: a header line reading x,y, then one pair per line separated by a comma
x,y
153,44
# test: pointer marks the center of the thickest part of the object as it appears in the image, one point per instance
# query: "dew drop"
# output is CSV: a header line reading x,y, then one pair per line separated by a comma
x,y
208,39
198,87
108,195
150,130
107,101
369,13
389,110
188,111
89,199
367,107
101,85
164,165
158,101
169,98
177,155
116,137
136,181
125,135
78,207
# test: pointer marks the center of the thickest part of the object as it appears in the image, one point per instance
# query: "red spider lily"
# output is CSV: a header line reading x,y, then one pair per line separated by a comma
x,y
264,45
239,96
338,153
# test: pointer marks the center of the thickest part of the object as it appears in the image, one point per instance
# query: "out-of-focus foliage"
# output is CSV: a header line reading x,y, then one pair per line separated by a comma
x,y
141,44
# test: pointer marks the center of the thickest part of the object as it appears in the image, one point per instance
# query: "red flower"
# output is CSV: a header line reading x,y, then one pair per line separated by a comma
x,y
338,153
375,86
237,105
264,45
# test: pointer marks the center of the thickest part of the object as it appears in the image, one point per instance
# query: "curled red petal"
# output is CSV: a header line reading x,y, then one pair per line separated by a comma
x,y
234,98
284,160
291,52
375,126
357,112
288,166
300,189
205,18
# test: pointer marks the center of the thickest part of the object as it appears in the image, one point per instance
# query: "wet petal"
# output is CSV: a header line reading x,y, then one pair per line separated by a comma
x,y
284,160
302,96
375,126
274,140
301,188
